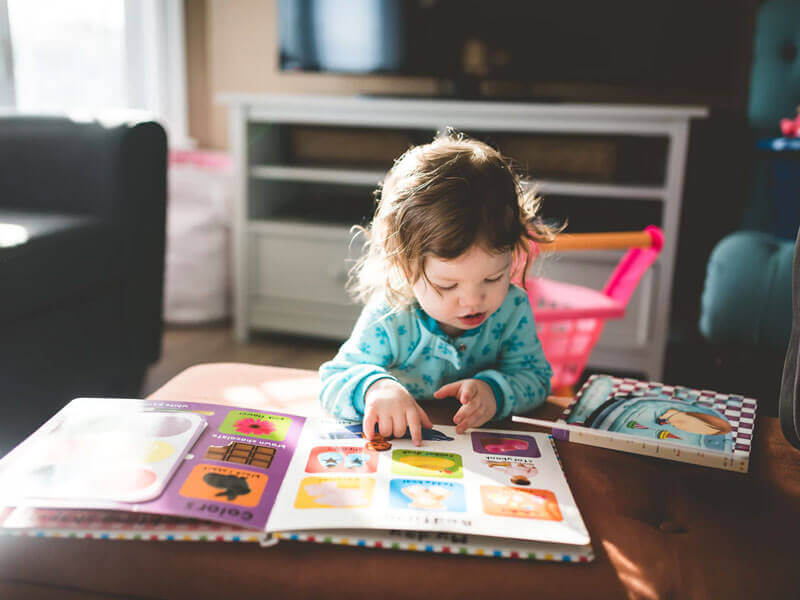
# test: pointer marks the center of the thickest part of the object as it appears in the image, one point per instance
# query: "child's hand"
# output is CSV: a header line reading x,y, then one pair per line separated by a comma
x,y
477,400
389,404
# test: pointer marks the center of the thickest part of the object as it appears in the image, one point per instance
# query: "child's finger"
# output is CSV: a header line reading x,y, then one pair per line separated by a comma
x,y
474,419
469,405
414,426
369,424
481,419
385,425
426,421
450,389
467,393
464,426
463,415
473,423
399,425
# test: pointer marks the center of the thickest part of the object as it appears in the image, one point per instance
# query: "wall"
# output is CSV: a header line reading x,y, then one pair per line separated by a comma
x,y
232,47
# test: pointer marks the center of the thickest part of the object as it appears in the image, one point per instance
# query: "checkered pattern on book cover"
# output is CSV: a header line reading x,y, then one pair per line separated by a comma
x,y
740,411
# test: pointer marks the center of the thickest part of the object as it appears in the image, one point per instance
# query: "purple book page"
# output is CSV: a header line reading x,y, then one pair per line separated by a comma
x,y
202,461
234,471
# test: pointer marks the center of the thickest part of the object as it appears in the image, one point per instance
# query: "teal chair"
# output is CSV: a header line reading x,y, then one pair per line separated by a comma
x,y
746,306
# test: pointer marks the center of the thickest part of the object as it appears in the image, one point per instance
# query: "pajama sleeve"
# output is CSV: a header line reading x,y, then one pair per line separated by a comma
x,y
521,377
363,359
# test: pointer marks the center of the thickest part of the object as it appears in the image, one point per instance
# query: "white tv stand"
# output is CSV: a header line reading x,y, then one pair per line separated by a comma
x,y
289,268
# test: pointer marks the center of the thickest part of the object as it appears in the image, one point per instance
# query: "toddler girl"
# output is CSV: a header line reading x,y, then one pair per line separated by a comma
x,y
442,317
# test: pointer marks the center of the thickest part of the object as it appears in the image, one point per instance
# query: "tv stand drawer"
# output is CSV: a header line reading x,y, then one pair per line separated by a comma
x,y
301,262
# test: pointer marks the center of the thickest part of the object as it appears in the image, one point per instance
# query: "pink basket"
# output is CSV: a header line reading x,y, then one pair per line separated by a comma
x,y
570,318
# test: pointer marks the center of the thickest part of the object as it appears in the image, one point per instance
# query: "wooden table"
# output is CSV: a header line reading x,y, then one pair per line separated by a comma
x,y
659,530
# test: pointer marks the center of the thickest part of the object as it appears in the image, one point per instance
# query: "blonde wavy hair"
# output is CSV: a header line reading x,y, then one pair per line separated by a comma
x,y
438,200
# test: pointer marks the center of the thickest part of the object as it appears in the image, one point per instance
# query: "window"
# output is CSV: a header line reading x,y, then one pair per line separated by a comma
x,y
6,66
68,55
94,55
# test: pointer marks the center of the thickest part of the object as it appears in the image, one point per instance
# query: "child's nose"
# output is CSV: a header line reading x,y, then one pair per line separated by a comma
x,y
472,297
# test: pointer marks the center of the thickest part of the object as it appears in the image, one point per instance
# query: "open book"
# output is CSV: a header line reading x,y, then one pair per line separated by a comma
x,y
673,422
239,474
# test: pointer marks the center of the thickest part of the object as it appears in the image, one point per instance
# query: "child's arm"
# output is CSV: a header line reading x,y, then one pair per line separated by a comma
x,y
361,361
521,379
362,365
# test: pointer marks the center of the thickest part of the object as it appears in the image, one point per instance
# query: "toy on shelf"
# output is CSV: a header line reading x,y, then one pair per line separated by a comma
x,y
791,127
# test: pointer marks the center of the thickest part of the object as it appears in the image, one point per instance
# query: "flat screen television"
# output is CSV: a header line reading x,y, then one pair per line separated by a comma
x,y
685,44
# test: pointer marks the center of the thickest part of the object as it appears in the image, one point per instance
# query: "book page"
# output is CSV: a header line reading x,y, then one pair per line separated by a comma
x,y
203,461
485,482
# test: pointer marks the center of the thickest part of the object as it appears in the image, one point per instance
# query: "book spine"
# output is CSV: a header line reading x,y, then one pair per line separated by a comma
x,y
635,445
144,536
469,548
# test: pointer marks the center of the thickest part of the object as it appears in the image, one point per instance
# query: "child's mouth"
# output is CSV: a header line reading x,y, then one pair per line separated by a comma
x,y
473,320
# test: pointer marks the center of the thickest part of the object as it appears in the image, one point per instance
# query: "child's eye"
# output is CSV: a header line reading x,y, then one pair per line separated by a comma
x,y
493,279
449,287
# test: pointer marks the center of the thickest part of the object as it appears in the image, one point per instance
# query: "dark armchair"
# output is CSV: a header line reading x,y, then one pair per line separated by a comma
x,y
82,234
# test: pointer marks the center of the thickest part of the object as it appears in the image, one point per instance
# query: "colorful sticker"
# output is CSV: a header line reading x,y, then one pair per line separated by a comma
x,y
421,494
157,451
335,492
504,501
224,484
264,426
342,459
518,471
421,463
506,444
243,454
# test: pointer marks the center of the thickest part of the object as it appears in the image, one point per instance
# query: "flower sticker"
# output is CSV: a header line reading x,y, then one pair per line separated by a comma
x,y
254,426
265,426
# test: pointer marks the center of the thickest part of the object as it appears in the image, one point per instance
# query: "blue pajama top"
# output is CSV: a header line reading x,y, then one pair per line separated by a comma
x,y
410,347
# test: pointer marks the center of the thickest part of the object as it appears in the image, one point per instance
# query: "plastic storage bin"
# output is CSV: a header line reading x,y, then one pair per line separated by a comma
x,y
197,278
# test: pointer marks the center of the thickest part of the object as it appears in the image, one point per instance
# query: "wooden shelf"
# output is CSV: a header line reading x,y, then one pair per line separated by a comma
x,y
292,247
316,174
371,178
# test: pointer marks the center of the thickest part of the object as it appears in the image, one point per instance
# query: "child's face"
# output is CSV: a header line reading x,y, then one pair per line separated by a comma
x,y
466,290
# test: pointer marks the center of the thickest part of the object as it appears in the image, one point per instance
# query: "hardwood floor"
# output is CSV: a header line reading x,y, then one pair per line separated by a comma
x,y
187,346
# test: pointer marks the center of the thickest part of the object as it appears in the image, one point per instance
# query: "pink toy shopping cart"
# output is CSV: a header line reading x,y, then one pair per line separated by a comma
x,y
570,318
